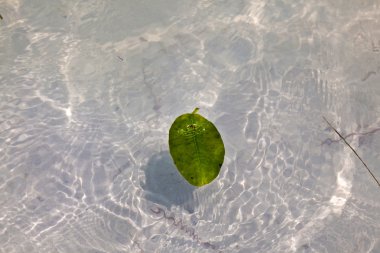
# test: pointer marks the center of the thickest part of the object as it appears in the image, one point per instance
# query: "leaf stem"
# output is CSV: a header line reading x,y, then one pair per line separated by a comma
x,y
195,110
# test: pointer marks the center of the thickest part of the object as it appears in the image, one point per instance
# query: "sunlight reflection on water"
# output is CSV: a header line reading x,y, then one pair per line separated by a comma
x,y
88,93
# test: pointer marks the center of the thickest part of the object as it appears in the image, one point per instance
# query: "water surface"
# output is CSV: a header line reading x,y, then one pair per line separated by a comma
x,y
89,89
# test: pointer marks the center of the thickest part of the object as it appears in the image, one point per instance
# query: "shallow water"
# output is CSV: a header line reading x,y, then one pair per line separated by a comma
x,y
88,90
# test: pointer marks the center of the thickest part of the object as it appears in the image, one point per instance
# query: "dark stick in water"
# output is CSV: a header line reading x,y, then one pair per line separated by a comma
x,y
365,165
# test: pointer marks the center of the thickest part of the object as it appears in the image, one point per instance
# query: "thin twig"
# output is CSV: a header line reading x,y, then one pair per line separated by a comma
x,y
365,165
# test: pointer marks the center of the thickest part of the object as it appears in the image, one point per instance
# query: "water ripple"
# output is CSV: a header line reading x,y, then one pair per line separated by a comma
x,y
88,92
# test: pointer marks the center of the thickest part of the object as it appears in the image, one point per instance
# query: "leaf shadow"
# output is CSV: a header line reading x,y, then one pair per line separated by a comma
x,y
165,186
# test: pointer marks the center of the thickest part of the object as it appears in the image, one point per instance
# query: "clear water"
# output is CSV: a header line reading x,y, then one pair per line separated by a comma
x,y
88,90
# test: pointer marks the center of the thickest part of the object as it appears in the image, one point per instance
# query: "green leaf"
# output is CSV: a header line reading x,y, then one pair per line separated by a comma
x,y
196,148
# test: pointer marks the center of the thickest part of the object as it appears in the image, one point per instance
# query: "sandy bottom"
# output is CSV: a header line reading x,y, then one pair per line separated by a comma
x,y
89,89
